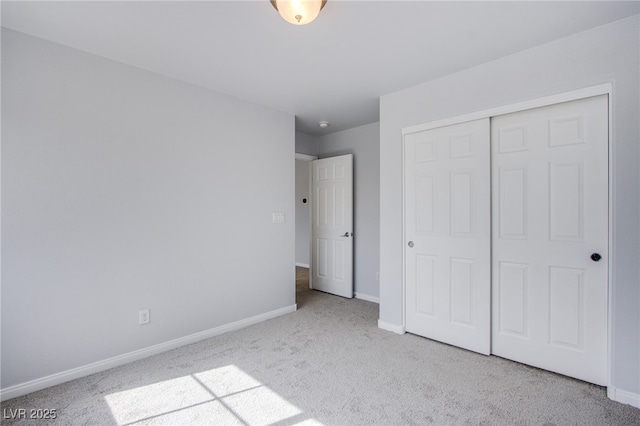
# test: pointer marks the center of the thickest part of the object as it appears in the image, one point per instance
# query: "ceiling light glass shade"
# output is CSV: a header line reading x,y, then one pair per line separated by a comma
x,y
298,12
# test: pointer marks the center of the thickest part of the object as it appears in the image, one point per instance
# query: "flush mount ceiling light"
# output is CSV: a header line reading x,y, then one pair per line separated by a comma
x,y
323,124
298,12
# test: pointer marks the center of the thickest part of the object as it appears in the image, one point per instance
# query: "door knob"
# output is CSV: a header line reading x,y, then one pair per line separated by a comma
x,y
596,257
411,244
346,234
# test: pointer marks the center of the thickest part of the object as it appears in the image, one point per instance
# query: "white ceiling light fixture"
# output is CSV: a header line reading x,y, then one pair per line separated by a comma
x,y
298,12
323,124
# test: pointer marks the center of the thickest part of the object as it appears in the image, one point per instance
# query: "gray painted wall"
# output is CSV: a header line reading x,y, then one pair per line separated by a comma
x,y
606,54
306,144
363,142
124,190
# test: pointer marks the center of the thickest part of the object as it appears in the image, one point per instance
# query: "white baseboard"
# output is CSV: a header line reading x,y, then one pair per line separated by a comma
x,y
366,297
96,367
624,397
303,265
398,329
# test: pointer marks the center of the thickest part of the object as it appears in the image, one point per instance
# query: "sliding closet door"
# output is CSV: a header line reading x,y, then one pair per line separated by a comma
x,y
550,237
447,234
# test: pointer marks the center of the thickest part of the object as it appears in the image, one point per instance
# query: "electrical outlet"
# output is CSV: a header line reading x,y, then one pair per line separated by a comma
x,y
143,317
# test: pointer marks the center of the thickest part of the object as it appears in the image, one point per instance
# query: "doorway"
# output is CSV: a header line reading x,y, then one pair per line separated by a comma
x,y
303,209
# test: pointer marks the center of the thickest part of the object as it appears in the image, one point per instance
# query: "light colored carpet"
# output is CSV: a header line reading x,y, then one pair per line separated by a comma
x,y
327,363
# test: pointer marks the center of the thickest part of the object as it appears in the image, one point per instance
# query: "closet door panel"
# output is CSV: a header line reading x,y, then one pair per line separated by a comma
x,y
550,214
447,238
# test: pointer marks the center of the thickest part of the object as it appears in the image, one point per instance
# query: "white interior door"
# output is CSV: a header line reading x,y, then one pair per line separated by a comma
x,y
332,225
447,234
550,214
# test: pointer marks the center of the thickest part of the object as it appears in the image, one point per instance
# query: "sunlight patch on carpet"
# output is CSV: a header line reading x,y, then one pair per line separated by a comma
x,y
225,395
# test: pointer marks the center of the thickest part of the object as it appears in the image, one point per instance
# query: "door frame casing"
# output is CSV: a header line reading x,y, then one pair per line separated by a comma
x,y
601,89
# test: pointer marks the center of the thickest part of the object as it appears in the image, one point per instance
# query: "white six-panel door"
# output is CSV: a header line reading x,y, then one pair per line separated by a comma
x,y
447,234
550,215
332,225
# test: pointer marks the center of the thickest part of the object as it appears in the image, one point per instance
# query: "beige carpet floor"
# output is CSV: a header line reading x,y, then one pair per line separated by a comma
x,y
327,363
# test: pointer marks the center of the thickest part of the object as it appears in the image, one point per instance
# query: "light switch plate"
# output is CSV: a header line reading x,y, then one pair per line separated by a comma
x,y
277,217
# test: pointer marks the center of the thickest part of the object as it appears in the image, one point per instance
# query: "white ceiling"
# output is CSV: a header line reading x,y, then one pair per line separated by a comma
x,y
333,69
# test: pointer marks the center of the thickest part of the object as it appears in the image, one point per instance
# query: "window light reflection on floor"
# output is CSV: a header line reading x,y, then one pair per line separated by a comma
x,y
225,396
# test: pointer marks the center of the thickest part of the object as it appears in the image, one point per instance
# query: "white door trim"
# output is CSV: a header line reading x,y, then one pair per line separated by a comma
x,y
601,89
